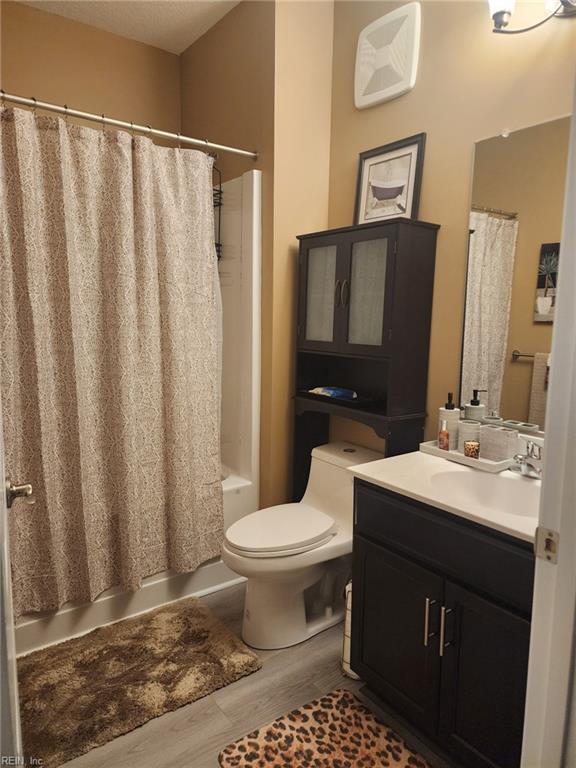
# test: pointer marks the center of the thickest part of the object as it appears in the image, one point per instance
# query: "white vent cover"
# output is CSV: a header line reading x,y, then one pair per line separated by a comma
x,y
387,57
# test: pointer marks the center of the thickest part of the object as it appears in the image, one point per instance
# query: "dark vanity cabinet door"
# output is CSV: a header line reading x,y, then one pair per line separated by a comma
x,y
483,687
392,600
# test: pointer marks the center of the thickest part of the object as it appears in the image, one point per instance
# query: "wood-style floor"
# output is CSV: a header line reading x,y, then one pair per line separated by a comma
x,y
192,737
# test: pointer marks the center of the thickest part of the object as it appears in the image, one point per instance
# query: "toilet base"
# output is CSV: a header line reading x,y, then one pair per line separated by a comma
x,y
279,613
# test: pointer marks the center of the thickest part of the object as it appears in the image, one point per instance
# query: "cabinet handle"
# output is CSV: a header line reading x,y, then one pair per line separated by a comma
x,y
337,294
443,613
345,293
427,633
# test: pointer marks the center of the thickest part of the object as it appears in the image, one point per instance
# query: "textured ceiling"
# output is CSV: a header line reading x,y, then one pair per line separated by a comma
x,y
172,25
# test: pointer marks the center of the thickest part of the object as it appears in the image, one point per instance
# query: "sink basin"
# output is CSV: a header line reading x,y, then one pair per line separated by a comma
x,y
504,492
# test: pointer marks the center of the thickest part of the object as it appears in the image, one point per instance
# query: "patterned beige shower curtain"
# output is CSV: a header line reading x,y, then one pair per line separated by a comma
x,y
110,374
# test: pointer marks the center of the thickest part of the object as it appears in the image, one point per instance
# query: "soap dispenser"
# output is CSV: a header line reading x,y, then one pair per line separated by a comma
x,y
475,409
451,415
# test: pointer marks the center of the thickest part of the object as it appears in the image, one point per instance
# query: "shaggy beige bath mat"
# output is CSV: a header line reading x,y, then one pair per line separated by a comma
x,y
82,693
336,730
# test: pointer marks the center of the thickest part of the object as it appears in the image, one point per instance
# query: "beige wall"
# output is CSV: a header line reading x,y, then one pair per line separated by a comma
x,y
261,78
227,88
303,96
471,84
525,173
64,61
228,95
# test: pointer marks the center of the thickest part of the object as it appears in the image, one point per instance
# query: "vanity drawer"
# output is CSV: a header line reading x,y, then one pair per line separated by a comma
x,y
490,562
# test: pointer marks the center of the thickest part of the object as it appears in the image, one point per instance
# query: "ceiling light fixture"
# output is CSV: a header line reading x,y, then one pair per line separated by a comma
x,y
502,10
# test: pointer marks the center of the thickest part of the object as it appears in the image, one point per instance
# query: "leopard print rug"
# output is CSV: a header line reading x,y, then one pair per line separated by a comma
x,y
335,731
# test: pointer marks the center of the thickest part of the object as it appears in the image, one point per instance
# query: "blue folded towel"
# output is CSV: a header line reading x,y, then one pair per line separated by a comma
x,y
340,392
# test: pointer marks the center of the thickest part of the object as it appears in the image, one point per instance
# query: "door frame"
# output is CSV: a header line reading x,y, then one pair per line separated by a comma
x,y
550,671
10,732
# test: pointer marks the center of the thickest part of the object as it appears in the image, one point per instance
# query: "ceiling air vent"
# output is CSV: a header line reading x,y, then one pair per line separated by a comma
x,y
387,57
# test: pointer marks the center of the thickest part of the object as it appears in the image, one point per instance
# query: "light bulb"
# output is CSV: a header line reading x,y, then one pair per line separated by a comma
x,y
500,11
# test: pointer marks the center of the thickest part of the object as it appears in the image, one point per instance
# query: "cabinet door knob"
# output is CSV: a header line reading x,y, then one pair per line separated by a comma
x,y
443,613
427,633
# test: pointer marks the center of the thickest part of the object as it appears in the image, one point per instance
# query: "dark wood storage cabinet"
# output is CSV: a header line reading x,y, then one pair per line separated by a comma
x,y
441,623
365,304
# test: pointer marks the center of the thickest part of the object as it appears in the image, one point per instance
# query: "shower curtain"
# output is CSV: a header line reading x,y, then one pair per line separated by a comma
x,y
110,373
488,294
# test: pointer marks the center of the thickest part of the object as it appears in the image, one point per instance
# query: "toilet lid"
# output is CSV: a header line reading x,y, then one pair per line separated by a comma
x,y
281,528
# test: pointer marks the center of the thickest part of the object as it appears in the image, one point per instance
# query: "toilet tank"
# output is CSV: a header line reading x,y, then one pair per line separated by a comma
x,y
330,485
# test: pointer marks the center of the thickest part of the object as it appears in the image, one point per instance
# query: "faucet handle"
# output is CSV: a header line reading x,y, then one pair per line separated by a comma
x,y
533,450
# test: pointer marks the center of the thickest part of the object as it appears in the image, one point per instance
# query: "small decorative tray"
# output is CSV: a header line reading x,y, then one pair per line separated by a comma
x,y
485,465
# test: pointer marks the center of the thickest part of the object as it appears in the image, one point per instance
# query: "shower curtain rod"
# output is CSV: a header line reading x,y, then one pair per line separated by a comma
x,y
103,120
496,211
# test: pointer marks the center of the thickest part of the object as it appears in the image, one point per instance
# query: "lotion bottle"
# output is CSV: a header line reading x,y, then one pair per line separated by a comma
x,y
475,409
451,415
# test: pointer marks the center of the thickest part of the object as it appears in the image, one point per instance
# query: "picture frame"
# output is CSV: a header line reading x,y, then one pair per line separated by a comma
x,y
389,180
547,281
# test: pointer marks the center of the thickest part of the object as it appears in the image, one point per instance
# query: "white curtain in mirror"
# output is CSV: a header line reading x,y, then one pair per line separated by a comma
x,y
488,293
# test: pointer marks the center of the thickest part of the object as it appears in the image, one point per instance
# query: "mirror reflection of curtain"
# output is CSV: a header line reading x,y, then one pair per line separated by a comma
x,y
488,293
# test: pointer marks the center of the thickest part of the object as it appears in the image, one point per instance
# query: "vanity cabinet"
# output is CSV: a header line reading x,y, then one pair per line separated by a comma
x,y
441,623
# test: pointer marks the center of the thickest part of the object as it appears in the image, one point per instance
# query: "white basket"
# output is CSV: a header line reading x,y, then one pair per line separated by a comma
x,y
347,632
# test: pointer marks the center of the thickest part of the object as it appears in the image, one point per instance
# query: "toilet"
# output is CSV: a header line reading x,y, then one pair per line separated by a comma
x,y
297,557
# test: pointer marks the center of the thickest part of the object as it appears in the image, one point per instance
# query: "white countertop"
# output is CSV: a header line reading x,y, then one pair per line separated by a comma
x,y
506,501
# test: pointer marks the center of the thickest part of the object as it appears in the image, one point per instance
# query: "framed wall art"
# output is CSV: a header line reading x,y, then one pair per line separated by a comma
x,y
389,180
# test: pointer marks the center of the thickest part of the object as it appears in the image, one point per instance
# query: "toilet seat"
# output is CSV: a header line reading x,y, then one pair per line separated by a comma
x,y
280,531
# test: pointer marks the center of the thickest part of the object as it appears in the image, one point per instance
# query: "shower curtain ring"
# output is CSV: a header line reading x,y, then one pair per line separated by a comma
x,y
103,116
34,108
179,141
149,131
65,113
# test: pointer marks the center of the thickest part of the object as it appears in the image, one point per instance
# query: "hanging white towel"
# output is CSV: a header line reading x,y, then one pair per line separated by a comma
x,y
538,392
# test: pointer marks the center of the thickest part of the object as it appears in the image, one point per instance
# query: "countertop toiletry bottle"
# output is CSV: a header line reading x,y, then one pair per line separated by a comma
x,y
451,415
474,409
444,437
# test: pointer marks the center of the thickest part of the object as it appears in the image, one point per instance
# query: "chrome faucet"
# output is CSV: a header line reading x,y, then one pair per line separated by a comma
x,y
529,464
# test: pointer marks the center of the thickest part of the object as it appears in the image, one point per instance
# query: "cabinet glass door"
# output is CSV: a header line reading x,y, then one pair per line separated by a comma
x,y
320,297
364,295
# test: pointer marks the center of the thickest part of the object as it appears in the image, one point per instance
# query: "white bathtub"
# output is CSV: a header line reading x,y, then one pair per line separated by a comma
x,y
34,631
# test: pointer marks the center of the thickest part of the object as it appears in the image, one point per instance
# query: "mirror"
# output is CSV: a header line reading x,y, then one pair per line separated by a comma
x,y
513,252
